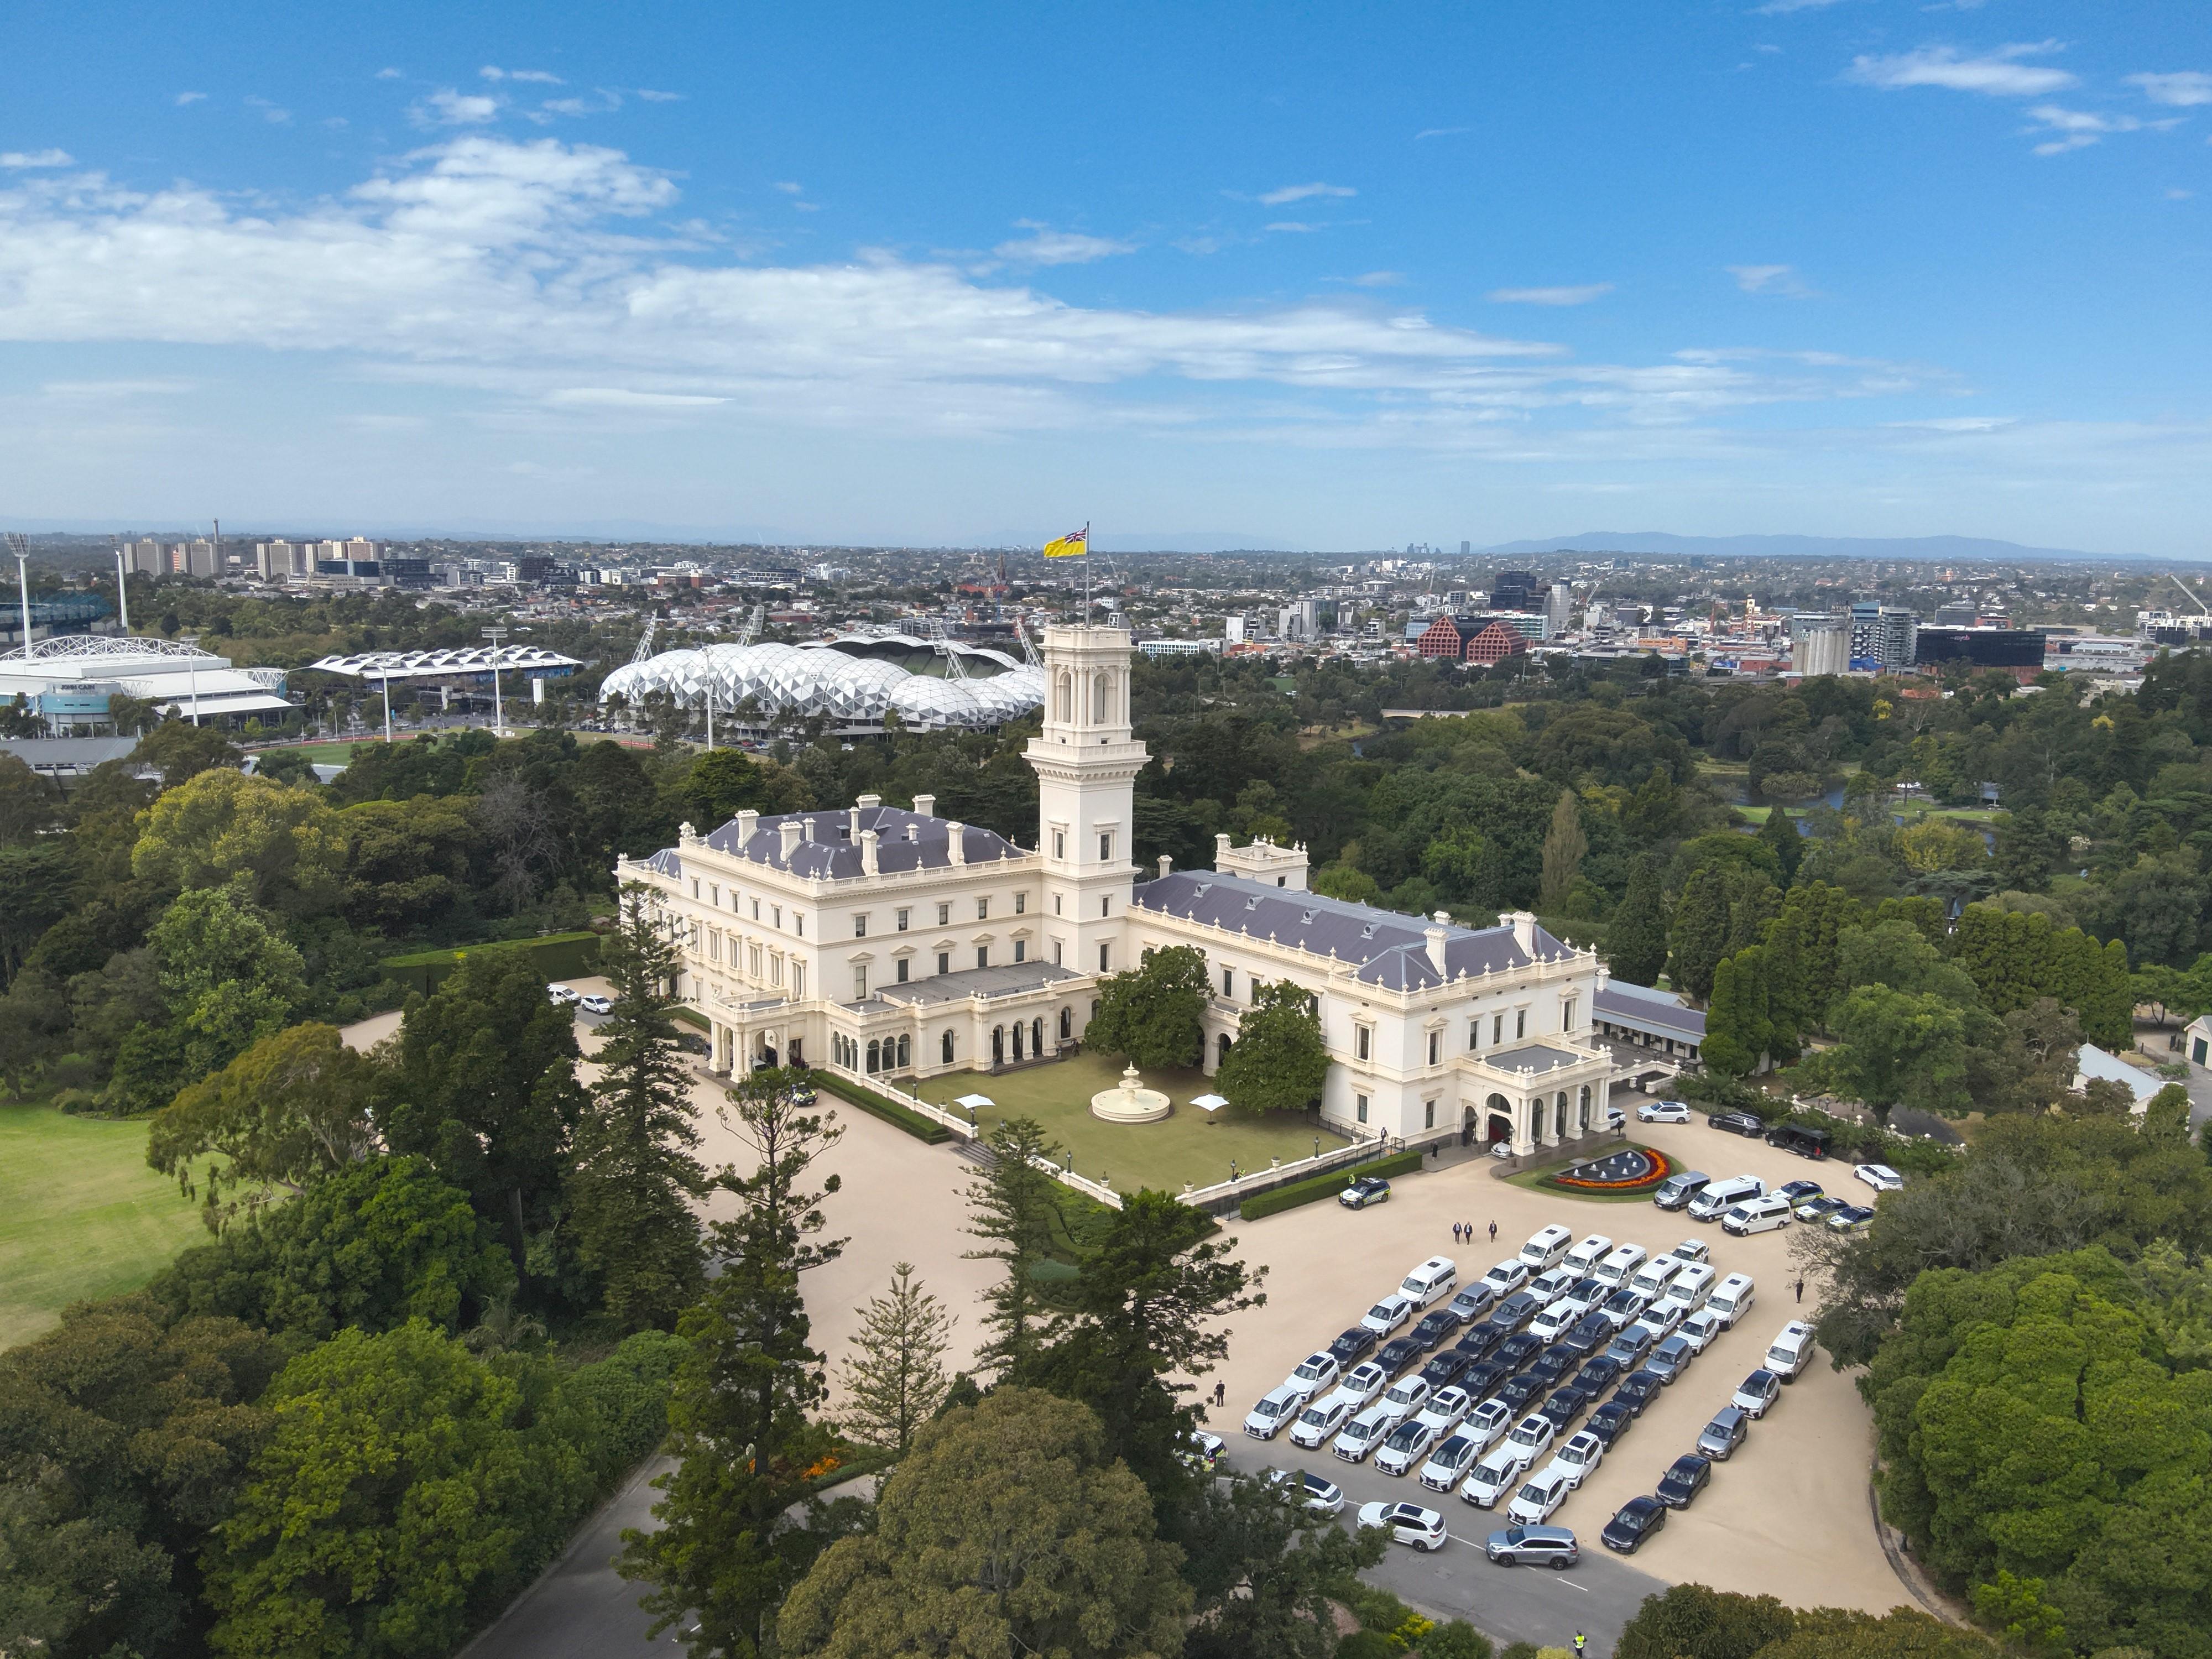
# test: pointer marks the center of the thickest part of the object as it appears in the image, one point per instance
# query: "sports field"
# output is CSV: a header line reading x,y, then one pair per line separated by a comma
x,y
81,1215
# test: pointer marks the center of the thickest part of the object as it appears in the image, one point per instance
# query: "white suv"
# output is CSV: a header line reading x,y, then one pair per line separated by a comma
x,y
1276,1407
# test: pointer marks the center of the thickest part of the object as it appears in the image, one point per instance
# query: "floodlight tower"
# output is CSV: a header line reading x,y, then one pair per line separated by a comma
x,y
20,545
498,714
122,590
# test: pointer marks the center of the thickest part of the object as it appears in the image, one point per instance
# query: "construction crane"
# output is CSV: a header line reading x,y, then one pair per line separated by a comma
x,y
645,641
752,627
2191,598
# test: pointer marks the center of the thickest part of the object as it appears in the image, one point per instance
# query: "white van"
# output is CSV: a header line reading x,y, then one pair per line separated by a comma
x,y
1791,1350
1691,1285
1546,1248
1721,1196
1587,1254
1618,1264
1731,1298
1655,1275
1756,1215
1437,1277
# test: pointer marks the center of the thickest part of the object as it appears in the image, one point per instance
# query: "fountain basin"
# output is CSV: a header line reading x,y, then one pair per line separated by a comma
x,y
1132,1102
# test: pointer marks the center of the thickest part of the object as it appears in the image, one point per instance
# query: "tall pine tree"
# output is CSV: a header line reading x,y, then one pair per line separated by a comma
x,y
1013,1207
1780,833
896,1380
739,1418
630,1191
1566,845
1636,940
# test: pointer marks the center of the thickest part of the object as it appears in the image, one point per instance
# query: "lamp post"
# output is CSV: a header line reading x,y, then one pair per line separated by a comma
x,y
498,709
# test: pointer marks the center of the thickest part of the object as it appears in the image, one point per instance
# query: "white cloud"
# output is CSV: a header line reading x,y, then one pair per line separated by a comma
x,y
543,78
1778,280
653,97
1289,194
15,160
788,188
2178,194
1581,296
1440,132
2183,89
97,389
387,75
545,274
1998,74
1783,8
270,112
1293,226
1959,423
447,108
183,98
1045,247
2078,129
608,397
1378,279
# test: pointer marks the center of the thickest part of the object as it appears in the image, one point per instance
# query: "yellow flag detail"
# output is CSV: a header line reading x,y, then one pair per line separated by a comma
x,y
1072,545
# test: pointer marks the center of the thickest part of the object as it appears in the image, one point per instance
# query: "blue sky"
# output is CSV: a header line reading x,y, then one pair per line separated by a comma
x,y
1318,276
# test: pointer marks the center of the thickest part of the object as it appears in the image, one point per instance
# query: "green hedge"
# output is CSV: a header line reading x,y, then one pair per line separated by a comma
x,y
1327,1186
556,956
875,1105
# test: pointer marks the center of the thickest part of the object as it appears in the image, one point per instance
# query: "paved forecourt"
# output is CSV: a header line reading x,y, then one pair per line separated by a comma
x,y
1788,1515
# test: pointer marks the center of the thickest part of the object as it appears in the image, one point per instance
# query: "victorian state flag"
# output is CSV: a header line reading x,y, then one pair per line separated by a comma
x,y
1072,545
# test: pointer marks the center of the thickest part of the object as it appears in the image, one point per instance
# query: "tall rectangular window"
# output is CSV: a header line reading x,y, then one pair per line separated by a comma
x,y
1567,1015
1060,844
903,964
860,925
1363,1041
1428,1115
860,984
945,962
1229,982
1474,1034
982,956
1359,1107
798,990
1105,847
1105,957
799,922
1021,949
1436,1047
1496,1029
1055,953
904,916
1021,904
1520,1024
982,909
944,914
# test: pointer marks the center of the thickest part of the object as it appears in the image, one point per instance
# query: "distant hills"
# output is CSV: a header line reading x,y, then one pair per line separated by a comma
x,y
1916,549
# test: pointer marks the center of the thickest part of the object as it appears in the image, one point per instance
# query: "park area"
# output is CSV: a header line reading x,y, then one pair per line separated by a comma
x,y
81,1215
1186,1146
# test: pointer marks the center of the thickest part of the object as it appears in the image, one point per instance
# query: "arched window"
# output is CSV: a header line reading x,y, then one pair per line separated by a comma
x,y
998,1045
1560,1115
1065,704
1101,699
945,1049
875,1056
1221,1048
1067,1024
1036,1037
1017,1039
905,1053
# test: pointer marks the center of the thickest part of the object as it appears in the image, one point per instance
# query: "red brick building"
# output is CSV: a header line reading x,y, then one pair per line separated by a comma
x,y
1470,639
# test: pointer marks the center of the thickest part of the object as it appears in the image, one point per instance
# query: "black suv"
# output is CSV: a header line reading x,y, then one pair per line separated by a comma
x,y
1518,1394
1518,1350
1433,1328
1599,1374
1684,1478
1564,1407
1478,1339
1744,1123
1590,1333
1610,1421
1446,1369
1400,1353
1354,1346
1641,1389
1552,1369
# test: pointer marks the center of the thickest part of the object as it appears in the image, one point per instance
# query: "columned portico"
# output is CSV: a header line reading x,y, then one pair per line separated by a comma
x,y
1548,1092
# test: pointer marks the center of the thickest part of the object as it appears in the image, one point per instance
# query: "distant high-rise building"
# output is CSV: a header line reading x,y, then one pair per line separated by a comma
x,y
193,558
1558,605
1466,548
1884,636
146,557
1955,613
1515,590
1232,629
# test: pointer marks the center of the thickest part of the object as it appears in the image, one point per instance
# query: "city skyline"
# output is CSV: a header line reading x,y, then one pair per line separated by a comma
x,y
1860,269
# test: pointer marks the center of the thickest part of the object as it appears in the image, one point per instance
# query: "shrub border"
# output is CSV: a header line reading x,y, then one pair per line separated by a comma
x,y
875,1105
1325,1186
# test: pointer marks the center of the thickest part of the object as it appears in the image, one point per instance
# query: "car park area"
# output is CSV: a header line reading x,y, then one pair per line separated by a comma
x,y
1788,1506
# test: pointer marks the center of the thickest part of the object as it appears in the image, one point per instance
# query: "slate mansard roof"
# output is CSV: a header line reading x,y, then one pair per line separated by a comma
x,y
831,849
1391,949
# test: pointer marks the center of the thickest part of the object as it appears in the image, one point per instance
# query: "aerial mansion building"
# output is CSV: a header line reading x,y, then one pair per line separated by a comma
x,y
900,943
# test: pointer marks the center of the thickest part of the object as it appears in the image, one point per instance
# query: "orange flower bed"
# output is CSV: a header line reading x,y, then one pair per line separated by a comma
x,y
1660,1167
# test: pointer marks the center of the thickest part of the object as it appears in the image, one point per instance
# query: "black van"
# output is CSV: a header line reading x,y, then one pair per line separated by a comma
x,y
1798,1138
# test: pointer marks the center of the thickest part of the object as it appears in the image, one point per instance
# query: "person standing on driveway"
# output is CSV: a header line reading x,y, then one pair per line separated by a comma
x,y
1800,1287
1493,1232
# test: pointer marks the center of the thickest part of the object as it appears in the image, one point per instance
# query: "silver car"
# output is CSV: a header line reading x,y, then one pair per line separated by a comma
x,y
1724,1433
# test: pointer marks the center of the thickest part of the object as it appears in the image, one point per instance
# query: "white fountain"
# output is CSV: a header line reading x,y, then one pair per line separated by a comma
x,y
1132,1102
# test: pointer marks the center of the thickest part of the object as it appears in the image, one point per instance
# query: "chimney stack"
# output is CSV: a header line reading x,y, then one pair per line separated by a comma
x,y
748,821
1436,934
868,840
925,806
1167,863
1220,850
793,833
1524,931
956,842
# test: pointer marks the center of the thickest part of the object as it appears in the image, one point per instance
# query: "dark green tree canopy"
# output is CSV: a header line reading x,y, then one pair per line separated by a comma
x,y
1154,1014
1279,1062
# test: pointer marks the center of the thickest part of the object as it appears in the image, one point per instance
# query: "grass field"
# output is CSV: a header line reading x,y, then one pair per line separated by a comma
x,y
81,1215
1181,1147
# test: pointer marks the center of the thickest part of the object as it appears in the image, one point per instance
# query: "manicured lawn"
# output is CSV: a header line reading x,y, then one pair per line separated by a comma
x,y
81,1215
1181,1147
